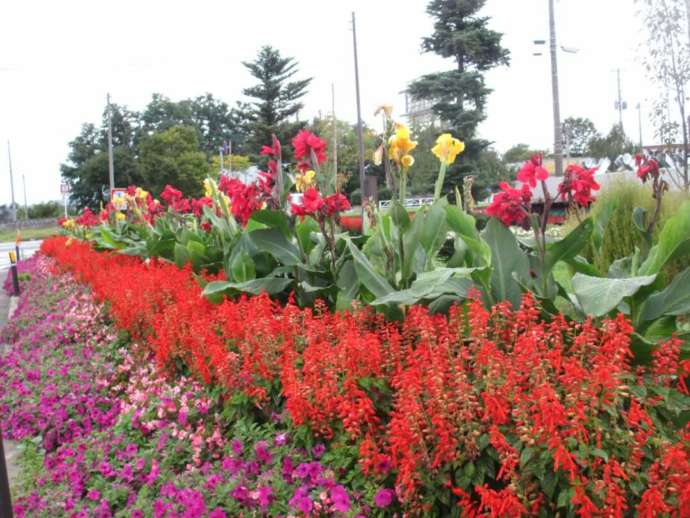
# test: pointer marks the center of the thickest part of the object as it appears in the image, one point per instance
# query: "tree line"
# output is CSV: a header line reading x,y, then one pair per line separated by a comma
x,y
176,142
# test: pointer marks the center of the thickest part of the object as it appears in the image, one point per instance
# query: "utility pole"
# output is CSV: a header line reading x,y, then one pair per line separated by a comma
x,y
111,165
558,140
26,206
639,119
335,140
620,105
687,7
14,205
360,138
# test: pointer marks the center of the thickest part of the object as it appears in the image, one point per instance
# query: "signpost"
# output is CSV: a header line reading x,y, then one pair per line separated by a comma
x,y
118,197
65,189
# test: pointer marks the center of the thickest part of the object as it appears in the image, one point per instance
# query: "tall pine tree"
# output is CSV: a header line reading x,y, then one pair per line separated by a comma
x,y
277,98
459,96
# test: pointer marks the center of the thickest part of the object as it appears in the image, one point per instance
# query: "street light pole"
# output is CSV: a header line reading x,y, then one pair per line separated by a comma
x,y
360,138
111,165
639,120
558,140
26,206
14,205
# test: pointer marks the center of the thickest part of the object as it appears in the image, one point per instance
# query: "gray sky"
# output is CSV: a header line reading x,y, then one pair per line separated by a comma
x,y
58,60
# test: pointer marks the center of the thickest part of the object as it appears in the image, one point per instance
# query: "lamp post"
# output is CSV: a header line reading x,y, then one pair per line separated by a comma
x,y
558,139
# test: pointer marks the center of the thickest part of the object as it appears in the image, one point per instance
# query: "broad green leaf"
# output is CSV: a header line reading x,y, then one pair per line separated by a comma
x,y
272,219
411,244
601,222
303,231
431,285
399,215
347,282
506,258
674,300
581,265
568,247
197,253
367,275
598,295
273,241
465,227
181,255
242,267
674,241
270,285
434,230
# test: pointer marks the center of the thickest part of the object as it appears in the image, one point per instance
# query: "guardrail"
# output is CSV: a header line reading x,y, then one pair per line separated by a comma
x,y
409,203
29,223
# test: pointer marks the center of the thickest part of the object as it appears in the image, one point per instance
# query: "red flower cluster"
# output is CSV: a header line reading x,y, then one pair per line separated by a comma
x,y
647,168
532,171
304,143
175,200
245,198
313,204
514,415
87,218
274,152
578,185
511,205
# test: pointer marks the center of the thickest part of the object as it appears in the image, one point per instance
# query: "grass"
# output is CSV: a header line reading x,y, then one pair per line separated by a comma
x,y
8,234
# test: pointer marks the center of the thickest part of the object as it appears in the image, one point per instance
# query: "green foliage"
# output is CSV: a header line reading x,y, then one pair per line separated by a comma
x,y
42,210
612,145
173,157
348,149
459,96
578,133
86,168
277,98
519,153
620,237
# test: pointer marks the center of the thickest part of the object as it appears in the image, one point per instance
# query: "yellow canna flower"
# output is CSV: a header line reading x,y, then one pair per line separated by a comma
x,y
407,161
447,148
304,180
385,108
120,217
141,194
68,224
400,144
208,190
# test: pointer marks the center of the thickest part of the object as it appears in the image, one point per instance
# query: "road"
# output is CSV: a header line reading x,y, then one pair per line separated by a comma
x,y
26,249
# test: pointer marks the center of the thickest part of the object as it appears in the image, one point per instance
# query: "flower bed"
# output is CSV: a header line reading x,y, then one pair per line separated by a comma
x,y
496,411
106,434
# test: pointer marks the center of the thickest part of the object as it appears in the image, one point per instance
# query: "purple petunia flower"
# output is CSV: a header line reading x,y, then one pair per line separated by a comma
x,y
384,498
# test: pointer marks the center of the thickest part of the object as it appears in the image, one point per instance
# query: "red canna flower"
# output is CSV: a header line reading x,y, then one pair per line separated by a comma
x,y
578,185
646,168
532,171
511,205
87,218
305,142
335,203
170,195
311,204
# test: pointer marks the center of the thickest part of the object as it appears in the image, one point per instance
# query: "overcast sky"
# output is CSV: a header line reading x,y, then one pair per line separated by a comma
x,y
59,59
